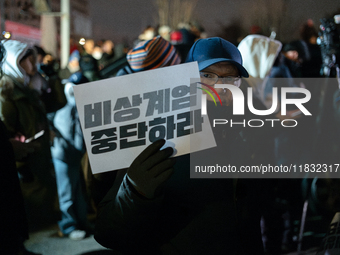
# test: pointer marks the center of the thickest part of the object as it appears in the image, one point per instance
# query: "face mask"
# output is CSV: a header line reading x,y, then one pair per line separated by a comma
x,y
97,55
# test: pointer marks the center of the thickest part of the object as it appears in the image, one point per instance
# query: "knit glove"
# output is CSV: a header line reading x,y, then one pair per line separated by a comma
x,y
151,169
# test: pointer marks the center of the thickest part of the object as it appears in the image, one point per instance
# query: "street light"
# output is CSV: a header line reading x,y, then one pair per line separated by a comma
x,y
82,41
7,35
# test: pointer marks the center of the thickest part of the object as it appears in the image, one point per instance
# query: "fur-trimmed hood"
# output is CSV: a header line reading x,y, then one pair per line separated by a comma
x,y
15,50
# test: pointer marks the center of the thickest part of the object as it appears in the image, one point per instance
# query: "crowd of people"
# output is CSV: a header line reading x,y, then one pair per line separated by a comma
x,y
158,208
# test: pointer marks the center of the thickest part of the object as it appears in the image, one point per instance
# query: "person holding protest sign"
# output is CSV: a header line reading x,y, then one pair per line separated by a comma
x,y
146,55
159,209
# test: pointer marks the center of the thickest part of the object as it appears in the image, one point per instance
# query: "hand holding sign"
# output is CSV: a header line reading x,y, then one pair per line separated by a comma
x,y
151,169
121,116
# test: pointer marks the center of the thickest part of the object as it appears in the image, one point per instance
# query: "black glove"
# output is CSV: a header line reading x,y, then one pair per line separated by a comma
x,y
151,169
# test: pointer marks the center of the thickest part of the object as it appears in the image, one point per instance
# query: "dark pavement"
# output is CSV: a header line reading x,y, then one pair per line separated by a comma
x,y
47,242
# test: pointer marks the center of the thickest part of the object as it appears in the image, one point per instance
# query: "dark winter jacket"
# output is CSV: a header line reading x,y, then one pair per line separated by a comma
x,y
192,216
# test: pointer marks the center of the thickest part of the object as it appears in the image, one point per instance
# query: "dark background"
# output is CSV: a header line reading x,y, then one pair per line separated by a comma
x,y
125,19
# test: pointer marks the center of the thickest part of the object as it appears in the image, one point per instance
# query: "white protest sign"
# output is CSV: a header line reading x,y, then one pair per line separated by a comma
x,y
121,116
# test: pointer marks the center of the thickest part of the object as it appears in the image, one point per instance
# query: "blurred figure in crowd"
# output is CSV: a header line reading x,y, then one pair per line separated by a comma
x,y
313,60
67,150
182,38
261,56
53,96
97,52
72,66
24,116
197,30
88,63
40,55
293,56
13,220
108,54
164,31
148,33
73,45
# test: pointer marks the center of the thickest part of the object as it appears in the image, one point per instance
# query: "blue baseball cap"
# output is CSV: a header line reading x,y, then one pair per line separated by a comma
x,y
213,50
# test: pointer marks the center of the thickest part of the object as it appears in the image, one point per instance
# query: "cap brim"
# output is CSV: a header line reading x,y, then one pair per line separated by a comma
x,y
206,63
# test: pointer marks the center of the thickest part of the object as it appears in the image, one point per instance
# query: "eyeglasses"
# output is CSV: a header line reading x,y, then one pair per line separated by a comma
x,y
212,78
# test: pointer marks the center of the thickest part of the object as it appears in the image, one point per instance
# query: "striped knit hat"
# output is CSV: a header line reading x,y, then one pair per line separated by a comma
x,y
152,54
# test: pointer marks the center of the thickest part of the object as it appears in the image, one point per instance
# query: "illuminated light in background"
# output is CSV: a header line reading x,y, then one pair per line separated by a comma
x,y
82,41
6,35
337,19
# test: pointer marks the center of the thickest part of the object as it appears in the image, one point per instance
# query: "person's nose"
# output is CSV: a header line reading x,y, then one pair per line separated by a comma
x,y
219,81
219,90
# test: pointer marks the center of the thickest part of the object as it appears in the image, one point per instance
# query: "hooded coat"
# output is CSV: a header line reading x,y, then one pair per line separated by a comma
x,y
23,113
192,216
20,106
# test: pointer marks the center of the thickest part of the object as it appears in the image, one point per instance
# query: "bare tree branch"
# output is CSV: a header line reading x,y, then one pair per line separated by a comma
x,y
173,12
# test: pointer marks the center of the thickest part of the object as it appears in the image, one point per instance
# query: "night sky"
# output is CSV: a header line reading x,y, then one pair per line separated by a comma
x,y
120,19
